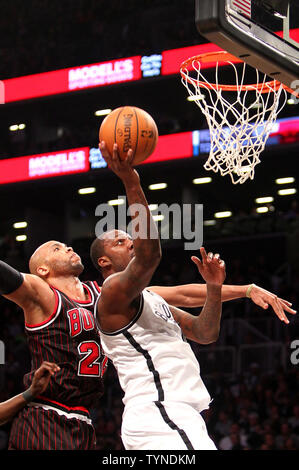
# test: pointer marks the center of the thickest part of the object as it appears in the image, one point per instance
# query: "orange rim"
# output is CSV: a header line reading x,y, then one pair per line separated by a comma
x,y
223,56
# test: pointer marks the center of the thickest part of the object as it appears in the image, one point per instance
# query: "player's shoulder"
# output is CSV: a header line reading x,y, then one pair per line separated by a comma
x,y
35,281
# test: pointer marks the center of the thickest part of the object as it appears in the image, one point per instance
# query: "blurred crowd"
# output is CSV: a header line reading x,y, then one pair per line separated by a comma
x,y
252,408
48,35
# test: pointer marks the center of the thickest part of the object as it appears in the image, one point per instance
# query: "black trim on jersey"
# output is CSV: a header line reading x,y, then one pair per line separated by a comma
x,y
82,303
125,328
173,426
149,362
159,387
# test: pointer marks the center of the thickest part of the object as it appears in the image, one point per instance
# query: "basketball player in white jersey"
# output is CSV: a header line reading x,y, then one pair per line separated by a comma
x,y
144,336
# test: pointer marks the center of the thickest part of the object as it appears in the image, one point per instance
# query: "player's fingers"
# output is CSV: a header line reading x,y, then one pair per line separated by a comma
x,y
278,309
115,155
203,254
104,151
216,259
196,261
130,156
287,306
49,367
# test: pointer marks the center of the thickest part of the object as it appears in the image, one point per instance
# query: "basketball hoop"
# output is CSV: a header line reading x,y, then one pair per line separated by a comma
x,y
239,123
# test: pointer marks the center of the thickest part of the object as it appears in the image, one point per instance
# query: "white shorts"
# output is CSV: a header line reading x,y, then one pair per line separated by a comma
x,y
159,426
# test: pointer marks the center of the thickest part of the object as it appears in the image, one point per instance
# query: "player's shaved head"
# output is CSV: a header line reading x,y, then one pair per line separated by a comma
x,y
55,258
39,257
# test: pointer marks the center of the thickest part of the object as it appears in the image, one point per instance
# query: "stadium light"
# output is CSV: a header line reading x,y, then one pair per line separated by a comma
x,y
287,192
158,217
262,209
103,112
21,238
207,179
20,225
221,215
156,186
264,200
195,97
116,202
17,127
289,179
87,190
153,207
209,223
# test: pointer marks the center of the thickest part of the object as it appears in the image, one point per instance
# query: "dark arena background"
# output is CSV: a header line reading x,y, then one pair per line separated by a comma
x,y
63,64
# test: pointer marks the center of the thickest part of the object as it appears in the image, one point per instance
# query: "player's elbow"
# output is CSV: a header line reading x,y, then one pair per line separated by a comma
x,y
209,337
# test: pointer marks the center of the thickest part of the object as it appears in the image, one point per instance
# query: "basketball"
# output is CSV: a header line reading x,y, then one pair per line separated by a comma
x,y
130,127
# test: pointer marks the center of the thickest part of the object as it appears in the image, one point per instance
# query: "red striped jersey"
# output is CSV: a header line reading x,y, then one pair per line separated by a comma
x,y
69,338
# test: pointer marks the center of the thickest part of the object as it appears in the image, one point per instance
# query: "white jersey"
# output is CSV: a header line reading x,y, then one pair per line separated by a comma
x,y
153,361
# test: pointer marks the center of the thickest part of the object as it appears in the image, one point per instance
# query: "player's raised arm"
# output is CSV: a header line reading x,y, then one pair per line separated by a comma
x,y
125,281
204,329
28,291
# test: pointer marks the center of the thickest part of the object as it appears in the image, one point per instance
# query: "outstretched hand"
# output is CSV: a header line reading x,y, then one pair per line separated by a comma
x,y
264,298
122,168
211,267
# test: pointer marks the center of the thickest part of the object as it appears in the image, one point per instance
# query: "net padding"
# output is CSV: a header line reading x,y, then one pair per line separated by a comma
x,y
240,117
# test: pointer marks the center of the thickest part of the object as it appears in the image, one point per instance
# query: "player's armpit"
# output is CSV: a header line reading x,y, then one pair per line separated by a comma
x,y
35,297
118,302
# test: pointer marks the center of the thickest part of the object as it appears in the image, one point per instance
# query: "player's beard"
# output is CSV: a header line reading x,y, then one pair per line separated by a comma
x,y
69,268
78,269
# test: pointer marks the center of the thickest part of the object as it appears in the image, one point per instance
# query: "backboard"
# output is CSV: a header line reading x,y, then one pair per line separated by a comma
x,y
263,33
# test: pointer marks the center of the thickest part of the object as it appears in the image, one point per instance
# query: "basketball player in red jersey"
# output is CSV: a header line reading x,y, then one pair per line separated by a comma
x,y
59,323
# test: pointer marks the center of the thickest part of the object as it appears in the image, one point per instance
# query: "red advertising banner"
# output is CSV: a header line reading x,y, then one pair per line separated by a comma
x,y
34,167
104,73
172,59
172,147
75,78
169,147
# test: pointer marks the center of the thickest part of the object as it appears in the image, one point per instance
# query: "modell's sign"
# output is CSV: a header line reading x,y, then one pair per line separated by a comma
x,y
58,163
104,73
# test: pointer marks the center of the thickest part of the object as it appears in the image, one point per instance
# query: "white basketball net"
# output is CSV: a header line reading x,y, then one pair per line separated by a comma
x,y
239,128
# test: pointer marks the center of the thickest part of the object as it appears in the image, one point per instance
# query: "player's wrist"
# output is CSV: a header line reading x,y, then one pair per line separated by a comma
x,y
214,287
28,395
248,290
131,178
